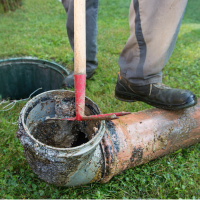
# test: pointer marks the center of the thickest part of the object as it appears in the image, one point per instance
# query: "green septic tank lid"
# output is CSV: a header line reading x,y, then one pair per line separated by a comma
x,y
19,77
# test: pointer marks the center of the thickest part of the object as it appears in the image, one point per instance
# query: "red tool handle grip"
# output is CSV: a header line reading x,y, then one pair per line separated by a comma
x,y
80,83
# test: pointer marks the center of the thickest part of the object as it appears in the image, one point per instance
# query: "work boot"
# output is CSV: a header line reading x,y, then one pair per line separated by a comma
x,y
156,94
69,80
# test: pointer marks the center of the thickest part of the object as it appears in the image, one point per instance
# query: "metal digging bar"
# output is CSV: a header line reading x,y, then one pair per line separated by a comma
x,y
80,66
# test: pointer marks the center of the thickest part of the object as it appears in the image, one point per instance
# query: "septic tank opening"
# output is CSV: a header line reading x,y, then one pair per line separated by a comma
x,y
19,77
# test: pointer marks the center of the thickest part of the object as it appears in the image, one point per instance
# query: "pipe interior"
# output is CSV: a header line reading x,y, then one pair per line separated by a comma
x,y
60,134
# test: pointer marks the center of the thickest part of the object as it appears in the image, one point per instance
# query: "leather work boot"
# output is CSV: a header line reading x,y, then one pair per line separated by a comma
x,y
69,80
156,94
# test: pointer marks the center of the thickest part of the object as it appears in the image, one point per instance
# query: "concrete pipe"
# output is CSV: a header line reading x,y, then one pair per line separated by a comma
x,y
114,147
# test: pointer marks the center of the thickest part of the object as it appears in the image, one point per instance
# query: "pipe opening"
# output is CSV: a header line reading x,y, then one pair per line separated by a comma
x,y
81,139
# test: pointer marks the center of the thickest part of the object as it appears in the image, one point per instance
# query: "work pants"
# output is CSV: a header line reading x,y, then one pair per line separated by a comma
x,y
91,30
154,27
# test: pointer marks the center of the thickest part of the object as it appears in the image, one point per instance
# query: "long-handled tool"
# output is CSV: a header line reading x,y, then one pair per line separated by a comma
x,y
80,66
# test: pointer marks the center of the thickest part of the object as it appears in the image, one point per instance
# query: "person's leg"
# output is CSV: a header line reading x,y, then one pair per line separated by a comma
x,y
154,26
91,35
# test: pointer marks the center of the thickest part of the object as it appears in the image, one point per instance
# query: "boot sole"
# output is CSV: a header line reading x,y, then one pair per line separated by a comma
x,y
127,97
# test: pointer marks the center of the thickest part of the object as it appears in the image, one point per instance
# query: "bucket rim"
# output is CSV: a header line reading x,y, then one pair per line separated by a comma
x,y
83,148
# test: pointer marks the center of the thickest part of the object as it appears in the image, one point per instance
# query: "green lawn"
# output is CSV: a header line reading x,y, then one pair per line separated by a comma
x,y
38,29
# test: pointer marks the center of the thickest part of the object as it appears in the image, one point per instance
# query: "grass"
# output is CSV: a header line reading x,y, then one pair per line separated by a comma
x,y
38,30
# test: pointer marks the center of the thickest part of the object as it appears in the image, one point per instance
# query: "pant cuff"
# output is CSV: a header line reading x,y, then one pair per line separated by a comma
x,y
141,82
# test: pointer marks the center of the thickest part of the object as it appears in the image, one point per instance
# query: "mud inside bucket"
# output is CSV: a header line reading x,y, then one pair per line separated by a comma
x,y
60,134
22,76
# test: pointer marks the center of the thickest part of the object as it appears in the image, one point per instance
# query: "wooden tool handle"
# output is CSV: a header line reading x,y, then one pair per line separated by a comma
x,y
80,36
80,56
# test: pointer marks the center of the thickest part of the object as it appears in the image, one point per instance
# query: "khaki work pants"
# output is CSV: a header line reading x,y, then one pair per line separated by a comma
x,y
154,27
